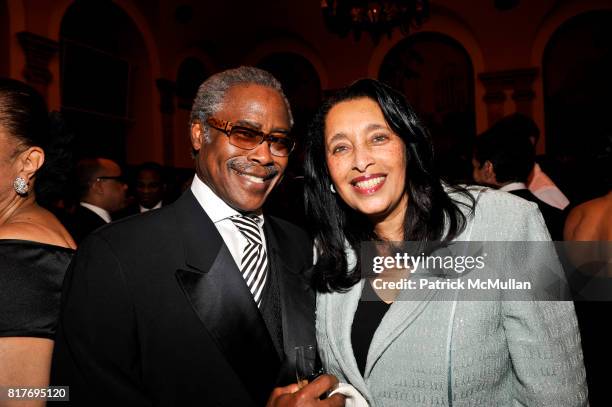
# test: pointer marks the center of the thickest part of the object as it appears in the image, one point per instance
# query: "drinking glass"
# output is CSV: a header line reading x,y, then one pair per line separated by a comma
x,y
307,364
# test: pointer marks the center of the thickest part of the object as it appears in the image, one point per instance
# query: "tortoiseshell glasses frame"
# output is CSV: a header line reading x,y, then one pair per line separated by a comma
x,y
281,145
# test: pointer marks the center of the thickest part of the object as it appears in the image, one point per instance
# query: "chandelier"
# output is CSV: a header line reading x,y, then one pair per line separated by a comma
x,y
376,17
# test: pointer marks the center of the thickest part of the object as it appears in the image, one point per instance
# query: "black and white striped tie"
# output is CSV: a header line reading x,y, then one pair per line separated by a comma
x,y
254,263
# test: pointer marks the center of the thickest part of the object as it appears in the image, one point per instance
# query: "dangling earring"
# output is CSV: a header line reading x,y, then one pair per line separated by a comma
x,y
331,188
21,186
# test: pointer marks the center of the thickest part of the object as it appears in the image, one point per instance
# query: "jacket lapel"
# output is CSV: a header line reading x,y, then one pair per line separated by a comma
x,y
296,298
340,310
402,313
220,298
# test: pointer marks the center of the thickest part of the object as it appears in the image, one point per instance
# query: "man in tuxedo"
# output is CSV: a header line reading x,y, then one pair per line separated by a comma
x,y
203,301
504,160
150,186
101,192
149,189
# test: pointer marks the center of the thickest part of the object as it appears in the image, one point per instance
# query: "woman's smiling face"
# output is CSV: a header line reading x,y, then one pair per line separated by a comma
x,y
366,159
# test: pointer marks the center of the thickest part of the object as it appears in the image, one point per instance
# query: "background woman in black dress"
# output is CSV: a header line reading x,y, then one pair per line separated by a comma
x,y
35,249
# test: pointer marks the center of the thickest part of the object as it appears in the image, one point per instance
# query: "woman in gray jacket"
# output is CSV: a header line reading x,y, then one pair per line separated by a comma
x,y
370,177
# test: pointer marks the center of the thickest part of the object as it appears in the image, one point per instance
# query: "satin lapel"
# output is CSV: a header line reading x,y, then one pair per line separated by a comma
x,y
296,297
200,238
222,301
339,313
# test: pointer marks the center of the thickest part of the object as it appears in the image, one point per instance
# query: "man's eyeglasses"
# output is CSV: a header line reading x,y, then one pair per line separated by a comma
x,y
280,144
119,178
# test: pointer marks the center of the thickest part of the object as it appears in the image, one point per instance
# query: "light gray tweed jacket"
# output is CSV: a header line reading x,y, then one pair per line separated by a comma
x,y
460,353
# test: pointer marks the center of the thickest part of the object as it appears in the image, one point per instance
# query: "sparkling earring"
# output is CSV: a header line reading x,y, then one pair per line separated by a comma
x,y
331,188
21,186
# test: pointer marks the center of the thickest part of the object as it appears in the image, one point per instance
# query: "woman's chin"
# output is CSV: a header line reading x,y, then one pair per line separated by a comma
x,y
374,212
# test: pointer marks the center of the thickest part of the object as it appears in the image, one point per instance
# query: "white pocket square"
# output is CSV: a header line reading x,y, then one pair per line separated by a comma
x,y
353,397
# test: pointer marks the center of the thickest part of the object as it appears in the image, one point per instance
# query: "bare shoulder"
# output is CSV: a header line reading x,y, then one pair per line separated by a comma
x,y
577,212
40,227
23,230
591,220
596,205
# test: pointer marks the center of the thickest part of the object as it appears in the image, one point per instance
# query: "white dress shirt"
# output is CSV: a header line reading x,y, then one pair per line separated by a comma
x,y
545,189
220,213
103,213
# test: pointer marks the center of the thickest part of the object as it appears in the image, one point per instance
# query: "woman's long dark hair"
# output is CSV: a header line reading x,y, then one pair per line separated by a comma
x,y
431,215
24,115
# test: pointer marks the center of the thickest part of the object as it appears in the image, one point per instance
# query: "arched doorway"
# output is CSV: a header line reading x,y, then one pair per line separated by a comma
x,y
190,75
300,82
576,66
4,39
106,82
435,73
302,86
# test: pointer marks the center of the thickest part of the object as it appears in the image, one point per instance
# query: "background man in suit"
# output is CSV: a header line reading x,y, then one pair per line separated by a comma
x,y
149,188
538,182
101,192
203,301
504,160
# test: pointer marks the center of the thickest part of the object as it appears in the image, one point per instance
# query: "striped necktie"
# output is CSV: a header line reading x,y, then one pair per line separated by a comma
x,y
254,262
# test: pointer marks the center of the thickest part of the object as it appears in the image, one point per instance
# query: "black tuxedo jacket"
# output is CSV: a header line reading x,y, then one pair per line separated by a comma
x,y
130,210
82,222
155,312
553,217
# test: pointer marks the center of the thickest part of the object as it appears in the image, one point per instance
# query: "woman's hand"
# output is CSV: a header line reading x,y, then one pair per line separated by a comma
x,y
293,396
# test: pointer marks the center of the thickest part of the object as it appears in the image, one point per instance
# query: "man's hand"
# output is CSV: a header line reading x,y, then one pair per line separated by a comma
x,y
293,396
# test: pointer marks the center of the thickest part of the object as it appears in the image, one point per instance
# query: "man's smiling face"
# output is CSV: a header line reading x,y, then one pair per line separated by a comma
x,y
243,178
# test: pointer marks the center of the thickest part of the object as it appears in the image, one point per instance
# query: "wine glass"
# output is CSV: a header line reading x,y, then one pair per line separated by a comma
x,y
307,364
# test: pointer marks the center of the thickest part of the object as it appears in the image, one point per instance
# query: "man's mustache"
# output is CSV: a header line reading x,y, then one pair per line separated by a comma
x,y
264,171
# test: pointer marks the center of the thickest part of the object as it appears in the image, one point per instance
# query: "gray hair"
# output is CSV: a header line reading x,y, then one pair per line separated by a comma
x,y
211,94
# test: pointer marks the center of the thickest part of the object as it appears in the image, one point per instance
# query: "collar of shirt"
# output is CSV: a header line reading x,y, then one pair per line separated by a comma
x,y
513,186
220,213
216,209
103,213
143,209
